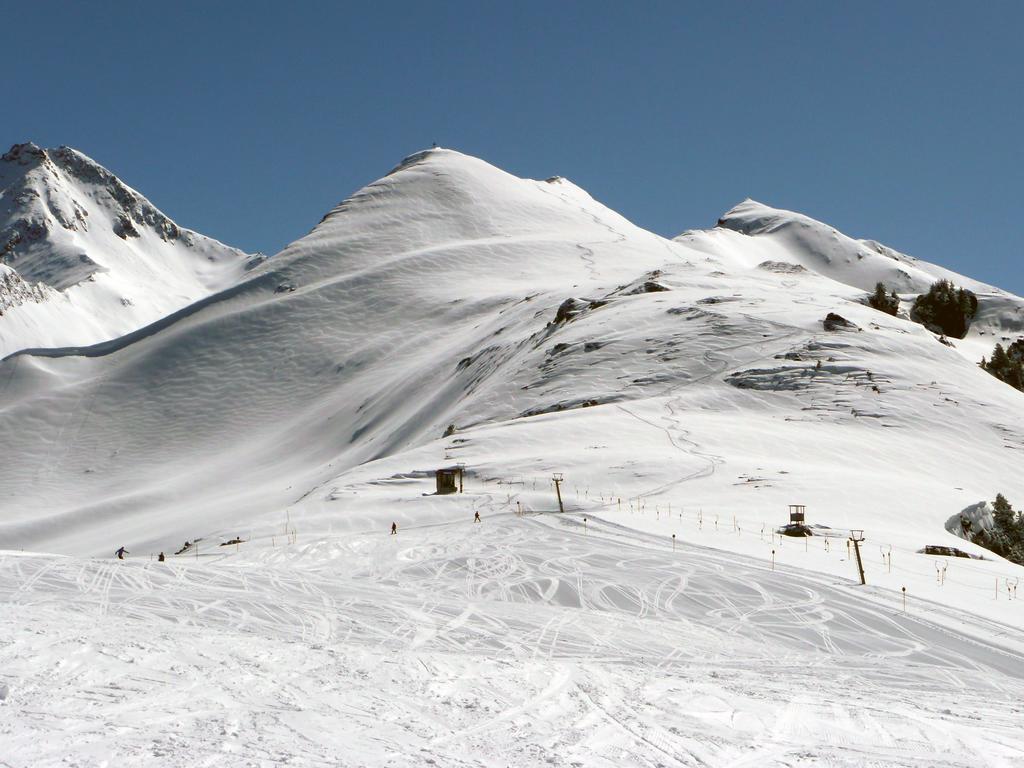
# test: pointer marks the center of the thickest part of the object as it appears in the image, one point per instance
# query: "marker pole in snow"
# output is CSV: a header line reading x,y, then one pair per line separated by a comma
x,y
584,525
673,542
557,478
904,599
773,559
856,537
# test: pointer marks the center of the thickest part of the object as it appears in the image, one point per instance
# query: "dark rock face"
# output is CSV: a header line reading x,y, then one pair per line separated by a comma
x,y
23,154
944,551
782,267
834,322
568,309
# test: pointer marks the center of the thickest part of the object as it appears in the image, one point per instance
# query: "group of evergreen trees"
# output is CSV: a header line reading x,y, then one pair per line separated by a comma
x,y
945,309
1007,364
1007,537
889,304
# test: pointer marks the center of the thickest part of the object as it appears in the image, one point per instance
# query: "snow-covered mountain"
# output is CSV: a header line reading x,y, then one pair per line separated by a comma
x,y
450,292
688,390
85,258
755,235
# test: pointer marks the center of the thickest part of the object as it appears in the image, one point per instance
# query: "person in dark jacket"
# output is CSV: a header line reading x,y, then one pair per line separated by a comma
x,y
476,517
121,553
394,528
161,557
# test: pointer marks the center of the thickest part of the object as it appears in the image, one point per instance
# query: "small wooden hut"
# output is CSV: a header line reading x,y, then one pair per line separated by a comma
x,y
449,480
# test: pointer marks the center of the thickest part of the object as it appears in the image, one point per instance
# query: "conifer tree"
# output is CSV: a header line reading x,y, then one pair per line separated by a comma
x,y
946,309
889,304
1007,364
1002,512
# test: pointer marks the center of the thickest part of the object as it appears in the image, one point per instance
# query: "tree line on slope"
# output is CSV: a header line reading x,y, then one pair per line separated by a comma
x,y
1006,539
1007,364
944,309
883,302
948,310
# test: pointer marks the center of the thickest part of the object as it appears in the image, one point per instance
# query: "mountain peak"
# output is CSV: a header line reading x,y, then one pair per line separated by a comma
x,y
442,198
25,153
71,232
786,236
752,217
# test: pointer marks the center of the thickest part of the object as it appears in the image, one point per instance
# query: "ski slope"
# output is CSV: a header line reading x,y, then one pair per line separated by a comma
x,y
450,312
518,641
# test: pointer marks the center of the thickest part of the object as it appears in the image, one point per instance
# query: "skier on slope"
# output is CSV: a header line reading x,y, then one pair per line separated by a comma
x,y
161,557
121,553
476,517
394,528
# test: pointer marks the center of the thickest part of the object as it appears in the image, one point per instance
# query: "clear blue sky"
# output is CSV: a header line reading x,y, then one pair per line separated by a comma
x,y
899,121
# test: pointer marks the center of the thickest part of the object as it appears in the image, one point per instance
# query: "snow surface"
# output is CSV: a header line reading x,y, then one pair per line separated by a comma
x,y
85,258
683,387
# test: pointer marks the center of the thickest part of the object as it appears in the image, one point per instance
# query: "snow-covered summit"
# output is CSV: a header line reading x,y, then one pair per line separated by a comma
x,y
756,236
443,198
775,233
88,258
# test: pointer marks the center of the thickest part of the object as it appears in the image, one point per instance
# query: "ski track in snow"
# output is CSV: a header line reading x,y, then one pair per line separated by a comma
x,y
521,641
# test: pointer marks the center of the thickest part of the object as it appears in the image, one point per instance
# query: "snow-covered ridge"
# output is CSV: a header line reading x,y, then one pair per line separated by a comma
x,y
89,258
821,248
753,235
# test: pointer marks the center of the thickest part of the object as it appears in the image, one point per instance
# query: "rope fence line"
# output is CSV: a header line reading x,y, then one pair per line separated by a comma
x,y
997,583
948,569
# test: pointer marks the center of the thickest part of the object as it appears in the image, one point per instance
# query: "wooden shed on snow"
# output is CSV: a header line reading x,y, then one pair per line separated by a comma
x,y
449,480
